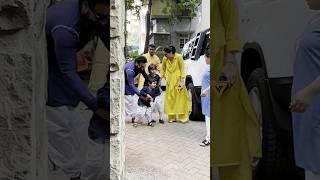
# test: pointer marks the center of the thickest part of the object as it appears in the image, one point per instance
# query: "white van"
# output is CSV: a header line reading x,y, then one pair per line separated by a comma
x,y
269,31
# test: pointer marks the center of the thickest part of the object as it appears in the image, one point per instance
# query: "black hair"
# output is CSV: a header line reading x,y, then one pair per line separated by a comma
x,y
150,80
170,49
140,59
92,3
152,46
152,67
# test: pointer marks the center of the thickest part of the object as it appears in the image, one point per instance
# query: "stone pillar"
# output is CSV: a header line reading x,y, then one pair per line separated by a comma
x,y
22,90
117,147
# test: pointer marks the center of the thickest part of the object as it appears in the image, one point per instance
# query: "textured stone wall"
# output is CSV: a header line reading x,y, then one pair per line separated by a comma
x,y
117,147
22,90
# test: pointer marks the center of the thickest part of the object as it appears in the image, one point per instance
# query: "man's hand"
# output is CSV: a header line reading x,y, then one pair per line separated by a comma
x,y
302,100
103,113
149,97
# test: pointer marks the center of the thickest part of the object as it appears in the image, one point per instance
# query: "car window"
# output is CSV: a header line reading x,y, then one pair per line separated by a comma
x,y
206,42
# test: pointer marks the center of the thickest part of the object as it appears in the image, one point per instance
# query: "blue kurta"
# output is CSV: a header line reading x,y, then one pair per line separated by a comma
x,y
205,101
306,126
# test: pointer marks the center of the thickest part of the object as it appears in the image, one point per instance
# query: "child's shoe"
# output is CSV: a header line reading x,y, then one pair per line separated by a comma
x,y
205,143
150,124
161,121
135,124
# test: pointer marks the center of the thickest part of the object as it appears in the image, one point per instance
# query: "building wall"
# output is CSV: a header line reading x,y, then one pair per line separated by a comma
x,y
117,121
23,79
182,26
204,16
160,40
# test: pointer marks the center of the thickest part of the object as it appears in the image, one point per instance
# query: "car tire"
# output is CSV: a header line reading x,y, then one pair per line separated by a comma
x,y
268,166
196,113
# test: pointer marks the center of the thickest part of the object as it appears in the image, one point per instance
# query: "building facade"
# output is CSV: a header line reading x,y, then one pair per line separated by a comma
x,y
162,33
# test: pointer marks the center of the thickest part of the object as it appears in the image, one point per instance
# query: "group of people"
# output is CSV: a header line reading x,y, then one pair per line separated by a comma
x,y
236,132
142,101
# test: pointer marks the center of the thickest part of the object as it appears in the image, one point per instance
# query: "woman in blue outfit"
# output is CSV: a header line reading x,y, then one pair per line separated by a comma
x,y
205,98
305,104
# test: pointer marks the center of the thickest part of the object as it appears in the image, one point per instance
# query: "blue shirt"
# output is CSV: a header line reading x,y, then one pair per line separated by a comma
x,y
131,71
205,101
306,126
65,36
147,91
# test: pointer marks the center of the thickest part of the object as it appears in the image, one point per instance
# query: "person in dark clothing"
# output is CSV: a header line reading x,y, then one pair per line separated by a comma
x,y
131,70
70,24
97,164
146,101
158,103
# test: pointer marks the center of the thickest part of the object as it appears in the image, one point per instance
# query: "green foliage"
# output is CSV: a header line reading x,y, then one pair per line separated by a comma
x,y
133,7
159,52
134,54
175,8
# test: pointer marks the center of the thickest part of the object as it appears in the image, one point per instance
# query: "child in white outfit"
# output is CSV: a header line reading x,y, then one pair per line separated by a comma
x,y
157,105
146,102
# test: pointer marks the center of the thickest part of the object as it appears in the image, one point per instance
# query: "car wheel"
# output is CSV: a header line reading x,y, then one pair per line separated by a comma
x,y
196,114
268,166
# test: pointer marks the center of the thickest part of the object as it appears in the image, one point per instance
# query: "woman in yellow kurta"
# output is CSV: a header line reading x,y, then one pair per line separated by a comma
x,y
235,128
177,101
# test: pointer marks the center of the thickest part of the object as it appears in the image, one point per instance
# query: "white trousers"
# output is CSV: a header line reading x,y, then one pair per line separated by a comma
x,y
131,104
144,112
97,165
63,140
208,128
157,105
311,176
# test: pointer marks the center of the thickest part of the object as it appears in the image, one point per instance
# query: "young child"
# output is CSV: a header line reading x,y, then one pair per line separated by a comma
x,y
157,104
145,102
97,162
205,98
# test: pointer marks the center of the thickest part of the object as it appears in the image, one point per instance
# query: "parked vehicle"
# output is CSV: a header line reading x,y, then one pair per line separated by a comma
x,y
269,29
193,54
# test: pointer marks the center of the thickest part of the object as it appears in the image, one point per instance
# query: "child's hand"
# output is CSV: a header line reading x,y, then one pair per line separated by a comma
x,y
302,100
204,93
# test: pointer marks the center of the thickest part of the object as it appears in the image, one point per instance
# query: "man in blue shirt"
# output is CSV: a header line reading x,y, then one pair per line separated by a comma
x,y
131,70
70,25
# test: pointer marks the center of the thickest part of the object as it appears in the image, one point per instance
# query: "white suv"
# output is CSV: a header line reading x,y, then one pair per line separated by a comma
x,y
193,54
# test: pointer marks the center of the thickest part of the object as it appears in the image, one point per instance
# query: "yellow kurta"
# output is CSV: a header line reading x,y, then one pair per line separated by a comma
x,y
150,60
177,102
235,129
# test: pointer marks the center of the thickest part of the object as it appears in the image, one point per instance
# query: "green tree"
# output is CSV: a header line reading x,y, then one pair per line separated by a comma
x,y
177,8
174,9
132,6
